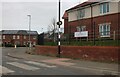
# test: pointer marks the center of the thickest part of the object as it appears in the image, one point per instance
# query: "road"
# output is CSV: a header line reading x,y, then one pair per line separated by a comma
x,y
17,66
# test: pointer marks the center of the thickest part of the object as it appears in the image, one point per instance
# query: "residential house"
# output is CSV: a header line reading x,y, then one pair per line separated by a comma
x,y
100,19
18,37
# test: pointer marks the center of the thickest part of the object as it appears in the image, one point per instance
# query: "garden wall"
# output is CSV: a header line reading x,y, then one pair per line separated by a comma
x,y
101,53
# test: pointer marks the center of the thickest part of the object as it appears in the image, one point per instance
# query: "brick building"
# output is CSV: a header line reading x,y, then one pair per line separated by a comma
x,y
18,37
100,19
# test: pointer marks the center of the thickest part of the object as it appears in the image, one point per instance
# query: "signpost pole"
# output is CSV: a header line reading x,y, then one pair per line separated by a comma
x,y
59,23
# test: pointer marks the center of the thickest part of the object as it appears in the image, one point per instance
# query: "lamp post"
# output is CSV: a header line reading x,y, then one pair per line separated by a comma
x,y
59,23
29,30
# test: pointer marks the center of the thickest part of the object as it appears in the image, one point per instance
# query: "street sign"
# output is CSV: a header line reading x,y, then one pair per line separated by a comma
x,y
81,34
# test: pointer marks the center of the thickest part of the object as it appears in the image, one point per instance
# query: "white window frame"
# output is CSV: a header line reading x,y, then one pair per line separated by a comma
x,y
18,37
81,28
14,36
81,13
107,8
34,37
24,36
34,43
24,42
0,37
104,30
3,36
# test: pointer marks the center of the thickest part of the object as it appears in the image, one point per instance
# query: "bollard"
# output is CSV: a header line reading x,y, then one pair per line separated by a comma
x,y
15,46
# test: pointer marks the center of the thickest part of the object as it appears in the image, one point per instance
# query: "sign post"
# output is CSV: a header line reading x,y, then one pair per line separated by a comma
x,y
59,23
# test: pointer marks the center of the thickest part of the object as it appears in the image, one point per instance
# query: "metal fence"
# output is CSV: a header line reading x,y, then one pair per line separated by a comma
x,y
95,39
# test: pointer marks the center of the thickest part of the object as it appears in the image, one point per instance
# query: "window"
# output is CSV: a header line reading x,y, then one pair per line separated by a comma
x,y
34,37
13,36
81,13
24,43
0,36
34,43
104,30
24,37
104,8
3,36
81,28
17,42
18,37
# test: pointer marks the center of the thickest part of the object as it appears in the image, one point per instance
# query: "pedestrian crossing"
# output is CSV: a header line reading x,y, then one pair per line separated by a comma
x,y
4,70
40,64
25,65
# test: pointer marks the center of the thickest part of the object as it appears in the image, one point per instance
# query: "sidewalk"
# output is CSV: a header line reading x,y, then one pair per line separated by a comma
x,y
79,64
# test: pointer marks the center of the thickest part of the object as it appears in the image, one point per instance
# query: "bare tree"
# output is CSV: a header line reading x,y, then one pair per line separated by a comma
x,y
53,28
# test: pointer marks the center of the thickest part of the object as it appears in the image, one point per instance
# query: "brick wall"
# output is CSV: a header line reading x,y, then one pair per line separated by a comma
x,y
101,53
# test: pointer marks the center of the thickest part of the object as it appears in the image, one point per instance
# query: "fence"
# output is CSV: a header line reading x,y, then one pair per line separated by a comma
x,y
95,39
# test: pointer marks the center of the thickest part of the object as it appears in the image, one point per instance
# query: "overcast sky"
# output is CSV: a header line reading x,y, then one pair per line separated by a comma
x,y
14,13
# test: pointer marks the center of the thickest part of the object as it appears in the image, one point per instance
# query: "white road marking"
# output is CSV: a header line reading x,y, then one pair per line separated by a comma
x,y
23,66
40,64
5,70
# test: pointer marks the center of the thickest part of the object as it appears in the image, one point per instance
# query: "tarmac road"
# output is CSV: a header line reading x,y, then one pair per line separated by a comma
x,y
20,66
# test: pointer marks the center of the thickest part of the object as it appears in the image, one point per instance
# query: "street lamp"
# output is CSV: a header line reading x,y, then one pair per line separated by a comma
x,y
29,30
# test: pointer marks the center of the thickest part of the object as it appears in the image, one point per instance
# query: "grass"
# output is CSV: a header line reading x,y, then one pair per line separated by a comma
x,y
86,43
50,43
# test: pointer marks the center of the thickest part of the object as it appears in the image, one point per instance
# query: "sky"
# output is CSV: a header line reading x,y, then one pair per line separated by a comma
x,y
13,13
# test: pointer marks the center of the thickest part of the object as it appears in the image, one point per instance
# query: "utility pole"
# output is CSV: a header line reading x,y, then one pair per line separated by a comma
x,y
29,30
59,23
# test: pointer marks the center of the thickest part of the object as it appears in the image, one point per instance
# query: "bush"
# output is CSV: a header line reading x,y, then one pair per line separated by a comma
x,y
9,45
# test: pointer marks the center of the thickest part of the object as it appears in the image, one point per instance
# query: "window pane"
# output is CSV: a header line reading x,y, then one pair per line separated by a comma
x,y
0,37
99,28
13,36
18,37
104,8
3,36
81,13
107,7
105,30
108,29
101,8
24,37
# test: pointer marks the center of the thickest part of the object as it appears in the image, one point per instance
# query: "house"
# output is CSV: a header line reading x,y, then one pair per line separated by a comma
x,y
100,19
18,37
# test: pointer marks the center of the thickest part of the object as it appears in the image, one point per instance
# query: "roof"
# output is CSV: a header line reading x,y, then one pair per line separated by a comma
x,y
25,32
84,4
65,16
89,2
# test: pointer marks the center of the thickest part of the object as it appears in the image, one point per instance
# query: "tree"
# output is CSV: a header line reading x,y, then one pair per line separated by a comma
x,y
53,28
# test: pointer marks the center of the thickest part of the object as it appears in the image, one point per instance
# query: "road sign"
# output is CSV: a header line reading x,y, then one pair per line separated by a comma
x,y
81,34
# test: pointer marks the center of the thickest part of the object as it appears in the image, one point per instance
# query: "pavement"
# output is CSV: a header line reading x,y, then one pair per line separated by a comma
x,y
106,68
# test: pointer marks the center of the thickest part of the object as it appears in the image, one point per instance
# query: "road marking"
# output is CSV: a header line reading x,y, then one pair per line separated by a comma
x,y
23,66
40,64
5,70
